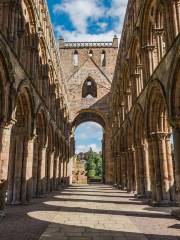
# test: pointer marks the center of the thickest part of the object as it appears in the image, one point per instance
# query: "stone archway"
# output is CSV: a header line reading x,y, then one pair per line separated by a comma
x,y
20,163
89,115
160,158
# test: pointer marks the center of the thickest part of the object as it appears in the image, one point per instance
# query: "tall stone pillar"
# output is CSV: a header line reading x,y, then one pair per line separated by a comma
x,y
141,170
152,169
35,168
129,171
51,171
124,171
119,179
170,168
157,169
176,15
163,167
137,170
149,59
26,190
115,167
147,182
18,161
43,171
176,140
5,133
56,171
134,170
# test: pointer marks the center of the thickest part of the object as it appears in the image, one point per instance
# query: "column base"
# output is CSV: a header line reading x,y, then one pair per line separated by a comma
x,y
176,213
163,203
139,195
2,214
40,196
15,203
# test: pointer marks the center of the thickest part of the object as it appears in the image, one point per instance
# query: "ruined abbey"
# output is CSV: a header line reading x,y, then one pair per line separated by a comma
x,y
49,87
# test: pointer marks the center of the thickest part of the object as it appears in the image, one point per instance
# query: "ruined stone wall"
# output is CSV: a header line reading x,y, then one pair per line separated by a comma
x,y
144,105
34,115
89,67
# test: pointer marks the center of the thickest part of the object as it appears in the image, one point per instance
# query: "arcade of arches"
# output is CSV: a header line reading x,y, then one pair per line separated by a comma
x,y
45,91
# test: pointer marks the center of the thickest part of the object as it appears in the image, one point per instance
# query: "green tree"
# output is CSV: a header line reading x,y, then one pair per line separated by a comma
x,y
93,164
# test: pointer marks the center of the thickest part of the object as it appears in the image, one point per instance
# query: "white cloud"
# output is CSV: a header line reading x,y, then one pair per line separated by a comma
x,y
88,134
85,148
118,10
88,130
83,37
102,25
81,11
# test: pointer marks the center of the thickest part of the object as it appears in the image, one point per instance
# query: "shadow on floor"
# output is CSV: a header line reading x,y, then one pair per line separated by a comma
x,y
98,201
19,225
94,195
75,233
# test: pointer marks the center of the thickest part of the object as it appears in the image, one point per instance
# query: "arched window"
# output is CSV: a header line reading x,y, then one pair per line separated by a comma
x,y
91,53
103,58
76,58
89,89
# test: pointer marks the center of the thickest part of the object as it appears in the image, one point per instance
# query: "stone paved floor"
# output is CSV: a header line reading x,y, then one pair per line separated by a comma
x,y
99,212
89,212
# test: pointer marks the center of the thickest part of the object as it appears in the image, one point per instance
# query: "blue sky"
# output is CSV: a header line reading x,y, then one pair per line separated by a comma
x,y
88,135
87,20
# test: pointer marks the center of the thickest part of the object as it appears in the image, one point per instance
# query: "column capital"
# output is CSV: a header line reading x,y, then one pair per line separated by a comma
x,y
158,31
148,47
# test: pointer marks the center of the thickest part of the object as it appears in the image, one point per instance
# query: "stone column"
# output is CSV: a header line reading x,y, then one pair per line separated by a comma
x,y
176,140
136,157
51,170
48,170
115,167
152,169
170,168
43,171
124,171
60,168
18,170
56,171
133,170
129,171
147,181
150,64
157,168
4,162
26,190
35,168
163,167
176,15
119,170
141,170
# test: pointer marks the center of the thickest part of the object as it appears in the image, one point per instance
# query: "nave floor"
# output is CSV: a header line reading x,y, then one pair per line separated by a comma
x,y
89,212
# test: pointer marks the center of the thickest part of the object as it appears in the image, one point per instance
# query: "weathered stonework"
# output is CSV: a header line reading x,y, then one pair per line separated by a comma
x,y
46,91
89,67
145,102
34,112
79,172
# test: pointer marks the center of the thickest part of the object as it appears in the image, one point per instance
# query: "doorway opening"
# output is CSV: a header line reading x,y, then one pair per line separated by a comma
x,y
88,161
